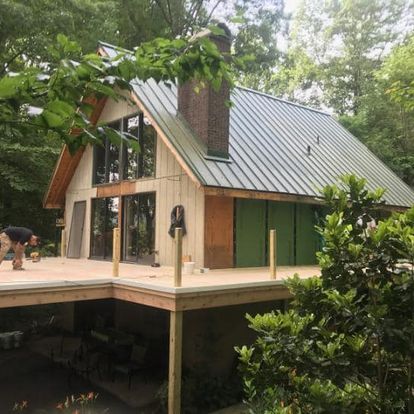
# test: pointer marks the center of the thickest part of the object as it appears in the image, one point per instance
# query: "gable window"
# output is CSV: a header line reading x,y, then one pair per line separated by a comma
x,y
112,164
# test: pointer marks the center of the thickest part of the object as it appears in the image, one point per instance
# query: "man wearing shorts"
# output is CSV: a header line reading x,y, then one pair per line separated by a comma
x,y
16,238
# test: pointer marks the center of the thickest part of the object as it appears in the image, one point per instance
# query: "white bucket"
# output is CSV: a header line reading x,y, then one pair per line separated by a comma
x,y
188,268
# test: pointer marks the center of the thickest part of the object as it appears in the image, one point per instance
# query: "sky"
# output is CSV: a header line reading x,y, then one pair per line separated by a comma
x,y
291,5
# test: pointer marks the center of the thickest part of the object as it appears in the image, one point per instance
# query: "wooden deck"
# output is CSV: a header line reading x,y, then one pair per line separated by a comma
x,y
56,280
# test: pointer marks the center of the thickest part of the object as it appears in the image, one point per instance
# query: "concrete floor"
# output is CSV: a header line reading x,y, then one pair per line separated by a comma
x,y
29,376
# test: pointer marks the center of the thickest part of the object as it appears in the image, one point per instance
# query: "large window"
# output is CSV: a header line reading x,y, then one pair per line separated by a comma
x,y
139,228
112,163
104,220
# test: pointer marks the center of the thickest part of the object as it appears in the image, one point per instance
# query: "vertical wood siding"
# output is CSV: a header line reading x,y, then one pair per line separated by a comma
x,y
171,185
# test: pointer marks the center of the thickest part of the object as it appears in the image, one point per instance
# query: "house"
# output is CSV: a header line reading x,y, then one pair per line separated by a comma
x,y
238,172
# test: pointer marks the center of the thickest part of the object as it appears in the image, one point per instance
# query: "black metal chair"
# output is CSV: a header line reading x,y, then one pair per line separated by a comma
x,y
135,364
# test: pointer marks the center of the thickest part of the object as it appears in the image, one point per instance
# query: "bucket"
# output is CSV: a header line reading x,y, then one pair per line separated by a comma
x,y
188,268
18,336
8,340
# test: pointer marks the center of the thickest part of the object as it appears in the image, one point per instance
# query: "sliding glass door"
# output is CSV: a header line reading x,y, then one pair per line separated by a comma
x,y
139,228
104,220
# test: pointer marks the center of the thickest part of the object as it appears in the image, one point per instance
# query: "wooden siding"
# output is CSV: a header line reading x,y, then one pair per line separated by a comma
x,y
171,185
218,236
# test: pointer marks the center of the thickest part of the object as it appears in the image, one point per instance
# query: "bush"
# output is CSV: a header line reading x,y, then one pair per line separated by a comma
x,y
347,343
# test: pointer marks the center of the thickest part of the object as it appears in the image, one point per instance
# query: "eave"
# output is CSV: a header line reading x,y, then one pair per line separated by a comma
x,y
66,166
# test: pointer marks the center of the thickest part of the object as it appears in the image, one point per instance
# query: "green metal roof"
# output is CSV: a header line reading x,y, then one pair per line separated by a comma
x,y
268,150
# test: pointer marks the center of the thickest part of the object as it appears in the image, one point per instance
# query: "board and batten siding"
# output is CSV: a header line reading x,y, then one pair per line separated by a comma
x,y
172,186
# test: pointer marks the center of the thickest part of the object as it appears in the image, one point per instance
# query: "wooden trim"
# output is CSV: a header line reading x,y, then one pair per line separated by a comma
x,y
66,165
236,296
45,295
118,189
146,297
261,195
175,362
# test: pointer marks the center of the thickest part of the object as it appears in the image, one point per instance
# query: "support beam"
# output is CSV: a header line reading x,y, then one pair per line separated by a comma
x,y
272,253
175,360
63,243
178,256
116,252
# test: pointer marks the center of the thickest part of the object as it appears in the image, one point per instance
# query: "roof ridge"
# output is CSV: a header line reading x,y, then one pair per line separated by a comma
x,y
239,87
122,49
284,100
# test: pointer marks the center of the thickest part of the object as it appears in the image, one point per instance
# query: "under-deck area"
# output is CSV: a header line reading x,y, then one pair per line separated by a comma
x,y
206,313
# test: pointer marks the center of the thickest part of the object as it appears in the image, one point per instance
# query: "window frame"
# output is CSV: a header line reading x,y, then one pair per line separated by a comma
x,y
123,154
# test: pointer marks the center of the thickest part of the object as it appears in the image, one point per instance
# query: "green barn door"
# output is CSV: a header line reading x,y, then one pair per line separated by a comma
x,y
307,239
250,233
281,216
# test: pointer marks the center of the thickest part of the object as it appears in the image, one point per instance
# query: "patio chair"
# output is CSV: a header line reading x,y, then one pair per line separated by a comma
x,y
135,364
64,350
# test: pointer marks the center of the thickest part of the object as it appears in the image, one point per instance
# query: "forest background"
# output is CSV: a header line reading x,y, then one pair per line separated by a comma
x,y
353,58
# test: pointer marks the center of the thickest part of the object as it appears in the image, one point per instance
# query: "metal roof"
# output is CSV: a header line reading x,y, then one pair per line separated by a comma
x,y
269,139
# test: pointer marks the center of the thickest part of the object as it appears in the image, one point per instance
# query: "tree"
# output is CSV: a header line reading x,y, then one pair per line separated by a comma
x,y
260,26
347,343
44,103
342,43
385,122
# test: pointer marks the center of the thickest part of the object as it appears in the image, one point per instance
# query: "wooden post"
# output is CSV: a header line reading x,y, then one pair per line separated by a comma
x,y
63,243
272,253
174,373
116,252
178,256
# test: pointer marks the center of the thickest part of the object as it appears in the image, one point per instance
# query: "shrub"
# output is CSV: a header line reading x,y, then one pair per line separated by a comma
x,y
347,343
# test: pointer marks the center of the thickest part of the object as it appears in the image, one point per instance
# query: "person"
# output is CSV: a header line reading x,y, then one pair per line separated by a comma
x,y
16,238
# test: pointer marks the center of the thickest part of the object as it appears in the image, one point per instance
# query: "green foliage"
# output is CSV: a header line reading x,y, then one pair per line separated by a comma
x,y
334,48
385,122
203,393
347,343
48,99
398,71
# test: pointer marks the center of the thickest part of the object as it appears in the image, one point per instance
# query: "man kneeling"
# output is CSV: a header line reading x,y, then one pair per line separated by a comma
x,y
16,238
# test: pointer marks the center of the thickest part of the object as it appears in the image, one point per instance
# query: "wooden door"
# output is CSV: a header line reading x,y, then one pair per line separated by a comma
x,y
307,239
250,233
281,217
218,232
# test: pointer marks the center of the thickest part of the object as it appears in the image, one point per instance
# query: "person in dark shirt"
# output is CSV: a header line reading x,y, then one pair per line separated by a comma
x,y
16,238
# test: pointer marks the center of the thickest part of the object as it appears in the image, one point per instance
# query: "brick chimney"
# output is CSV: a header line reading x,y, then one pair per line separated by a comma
x,y
206,112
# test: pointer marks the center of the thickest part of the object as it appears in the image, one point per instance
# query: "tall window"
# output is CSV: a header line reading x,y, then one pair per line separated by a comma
x,y
112,163
139,228
104,220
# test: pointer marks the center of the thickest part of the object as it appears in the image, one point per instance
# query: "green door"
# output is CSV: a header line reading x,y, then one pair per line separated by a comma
x,y
281,217
307,239
250,233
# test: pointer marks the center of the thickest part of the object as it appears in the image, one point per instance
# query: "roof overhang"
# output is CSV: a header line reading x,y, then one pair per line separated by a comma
x,y
284,197
66,165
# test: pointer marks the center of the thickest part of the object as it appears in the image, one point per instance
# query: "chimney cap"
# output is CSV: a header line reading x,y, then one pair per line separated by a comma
x,y
206,32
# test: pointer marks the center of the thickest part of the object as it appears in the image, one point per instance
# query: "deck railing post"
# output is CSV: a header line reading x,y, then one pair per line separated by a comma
x,y
116,252
178,256
272,253
63,243
175,361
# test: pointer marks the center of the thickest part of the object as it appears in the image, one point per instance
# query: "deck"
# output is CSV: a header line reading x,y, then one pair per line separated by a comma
x,y
54,280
